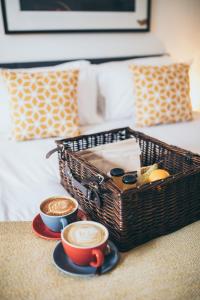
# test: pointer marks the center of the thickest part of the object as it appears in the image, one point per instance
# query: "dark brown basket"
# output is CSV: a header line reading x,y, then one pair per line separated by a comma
x,y
140,214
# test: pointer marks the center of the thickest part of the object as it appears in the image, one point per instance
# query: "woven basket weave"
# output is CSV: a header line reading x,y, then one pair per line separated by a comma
x,y
138,215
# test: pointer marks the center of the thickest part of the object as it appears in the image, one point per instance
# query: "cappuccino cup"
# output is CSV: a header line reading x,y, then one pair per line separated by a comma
x,y
85,243
58,211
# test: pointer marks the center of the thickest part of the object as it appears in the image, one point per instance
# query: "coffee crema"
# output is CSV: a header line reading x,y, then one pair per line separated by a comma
x,y
58,206
85,235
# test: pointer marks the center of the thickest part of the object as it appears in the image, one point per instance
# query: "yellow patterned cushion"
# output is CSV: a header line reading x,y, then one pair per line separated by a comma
x,y
43,104
162,94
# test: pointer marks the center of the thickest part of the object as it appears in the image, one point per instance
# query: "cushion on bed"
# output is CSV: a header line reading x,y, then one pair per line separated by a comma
x,y
87,93
162,94
43,104
116,91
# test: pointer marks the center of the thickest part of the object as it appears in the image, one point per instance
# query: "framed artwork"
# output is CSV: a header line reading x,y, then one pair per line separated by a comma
x,y
57,16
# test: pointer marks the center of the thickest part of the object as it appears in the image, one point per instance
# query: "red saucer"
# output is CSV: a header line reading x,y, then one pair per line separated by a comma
x,y
41,230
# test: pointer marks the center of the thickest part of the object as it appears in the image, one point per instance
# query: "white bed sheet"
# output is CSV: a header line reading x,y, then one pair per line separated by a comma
x,y
26,177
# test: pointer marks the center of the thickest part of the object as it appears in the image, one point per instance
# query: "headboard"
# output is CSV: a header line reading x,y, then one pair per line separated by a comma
x,y
53,63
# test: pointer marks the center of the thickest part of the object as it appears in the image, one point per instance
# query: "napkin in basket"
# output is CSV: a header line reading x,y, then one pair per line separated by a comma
x,y
123,154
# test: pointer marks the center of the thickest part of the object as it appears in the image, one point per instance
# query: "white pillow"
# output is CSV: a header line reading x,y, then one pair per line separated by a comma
x,y
5,121
87,94
116,89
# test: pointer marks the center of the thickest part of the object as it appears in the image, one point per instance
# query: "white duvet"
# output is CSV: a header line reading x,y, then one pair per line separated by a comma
x,y
27,177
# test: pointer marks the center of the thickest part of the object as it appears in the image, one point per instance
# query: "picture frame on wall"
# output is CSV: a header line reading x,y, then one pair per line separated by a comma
x,y
71,16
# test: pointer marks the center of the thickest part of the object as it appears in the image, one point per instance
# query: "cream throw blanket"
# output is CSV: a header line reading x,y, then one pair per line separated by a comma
x,y
167,268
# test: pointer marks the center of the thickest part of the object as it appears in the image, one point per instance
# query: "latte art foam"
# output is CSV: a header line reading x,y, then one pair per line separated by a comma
x,y
58,206
85,235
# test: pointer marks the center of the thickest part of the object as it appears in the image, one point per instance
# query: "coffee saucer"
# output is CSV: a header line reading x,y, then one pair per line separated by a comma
x,y
65,265
41,230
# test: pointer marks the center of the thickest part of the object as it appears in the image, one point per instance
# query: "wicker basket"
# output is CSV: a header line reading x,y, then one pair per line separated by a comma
x,y
140,214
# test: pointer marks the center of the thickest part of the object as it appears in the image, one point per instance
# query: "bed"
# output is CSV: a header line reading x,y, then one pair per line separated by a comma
x,y
156,270
27,177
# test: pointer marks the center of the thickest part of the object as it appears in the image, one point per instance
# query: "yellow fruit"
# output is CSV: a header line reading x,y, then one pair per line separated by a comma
x,y
158,174
145,172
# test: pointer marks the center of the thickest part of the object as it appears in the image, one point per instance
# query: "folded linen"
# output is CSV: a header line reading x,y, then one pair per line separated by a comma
x,y
123,154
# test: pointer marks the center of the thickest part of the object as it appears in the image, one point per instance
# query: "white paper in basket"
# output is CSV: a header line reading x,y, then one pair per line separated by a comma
x,y
123,154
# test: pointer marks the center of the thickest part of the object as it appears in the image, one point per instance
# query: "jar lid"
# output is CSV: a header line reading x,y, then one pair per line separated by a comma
x,y
129,179
117,172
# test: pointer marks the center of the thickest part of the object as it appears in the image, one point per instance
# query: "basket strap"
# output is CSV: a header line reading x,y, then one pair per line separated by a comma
x,y
51,152
92,194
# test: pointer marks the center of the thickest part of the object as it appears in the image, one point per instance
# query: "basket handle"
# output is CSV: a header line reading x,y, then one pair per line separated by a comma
x,y
51,152
92,194
100,177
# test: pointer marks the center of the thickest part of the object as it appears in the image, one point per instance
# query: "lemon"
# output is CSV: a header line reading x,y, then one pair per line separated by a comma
x,y
145,173
158,175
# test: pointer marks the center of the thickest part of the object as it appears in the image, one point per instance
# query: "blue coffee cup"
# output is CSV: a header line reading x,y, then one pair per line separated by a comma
x,y
58,222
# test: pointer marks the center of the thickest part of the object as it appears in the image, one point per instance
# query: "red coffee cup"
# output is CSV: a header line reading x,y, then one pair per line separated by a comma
x,y
85,243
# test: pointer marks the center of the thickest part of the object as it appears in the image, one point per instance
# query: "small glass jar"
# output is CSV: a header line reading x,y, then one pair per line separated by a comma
x,y
116,175
129,181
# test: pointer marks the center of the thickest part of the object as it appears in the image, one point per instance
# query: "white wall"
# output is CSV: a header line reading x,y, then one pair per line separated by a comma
x,y
32,47
177,24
